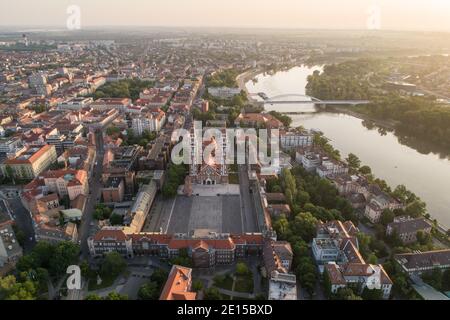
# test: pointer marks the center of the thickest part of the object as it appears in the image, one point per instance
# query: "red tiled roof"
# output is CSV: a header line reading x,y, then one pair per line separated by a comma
x,y
178,285
110,234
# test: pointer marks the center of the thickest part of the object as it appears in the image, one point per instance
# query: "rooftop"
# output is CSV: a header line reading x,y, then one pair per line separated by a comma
x,y
8,241
282,286
178,285
430,259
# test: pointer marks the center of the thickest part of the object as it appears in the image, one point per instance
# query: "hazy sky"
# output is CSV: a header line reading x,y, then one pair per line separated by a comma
x,y
326,14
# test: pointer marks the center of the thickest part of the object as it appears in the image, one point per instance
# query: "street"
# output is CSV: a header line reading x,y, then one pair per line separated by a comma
x,y
23,220
247,206
94,198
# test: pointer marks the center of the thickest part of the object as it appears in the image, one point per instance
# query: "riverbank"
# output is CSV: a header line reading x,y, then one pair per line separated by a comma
x,y
387,124
399,162
243,78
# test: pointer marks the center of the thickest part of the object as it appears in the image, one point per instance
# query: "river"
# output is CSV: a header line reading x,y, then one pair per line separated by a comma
x,y
427,175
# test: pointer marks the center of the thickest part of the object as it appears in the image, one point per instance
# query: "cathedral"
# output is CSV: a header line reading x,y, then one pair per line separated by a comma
x,y
212,169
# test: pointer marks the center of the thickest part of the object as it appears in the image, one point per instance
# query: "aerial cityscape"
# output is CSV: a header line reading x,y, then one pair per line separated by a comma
x,y
206,160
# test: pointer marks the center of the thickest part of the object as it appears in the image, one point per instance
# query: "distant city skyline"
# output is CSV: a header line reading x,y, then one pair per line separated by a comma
x,y
431,15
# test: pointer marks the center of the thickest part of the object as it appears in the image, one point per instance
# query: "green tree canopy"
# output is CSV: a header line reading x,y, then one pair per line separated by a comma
x,y
113,264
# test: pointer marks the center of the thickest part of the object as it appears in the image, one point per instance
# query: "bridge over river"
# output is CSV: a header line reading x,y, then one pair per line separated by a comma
x,y
304,99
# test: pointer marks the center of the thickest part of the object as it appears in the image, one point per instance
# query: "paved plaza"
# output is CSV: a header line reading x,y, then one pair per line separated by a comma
x,y
219,208
219,214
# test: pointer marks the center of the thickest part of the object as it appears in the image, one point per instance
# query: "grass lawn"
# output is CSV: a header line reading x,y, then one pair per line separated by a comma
x,y
244,283
223,281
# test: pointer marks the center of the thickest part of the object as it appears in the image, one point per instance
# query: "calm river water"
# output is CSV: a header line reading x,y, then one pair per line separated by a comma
x,y
427,175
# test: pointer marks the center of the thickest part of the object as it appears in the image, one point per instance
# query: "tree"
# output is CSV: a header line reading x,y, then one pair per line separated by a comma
x,y
302,197
116,219
416,209
85,269
113,264
242,269
116,296
149,291
93,296
345,294
306,272
212,294
372,258
102,212
387,217
372,294
42,253
65,254
281,226
305,225
353,161
160,277
197,285
365,170
11,289
112,130
182,259
424,238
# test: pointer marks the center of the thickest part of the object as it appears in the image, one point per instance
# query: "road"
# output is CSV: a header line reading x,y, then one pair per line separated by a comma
x,y
247,206
94,198
23,221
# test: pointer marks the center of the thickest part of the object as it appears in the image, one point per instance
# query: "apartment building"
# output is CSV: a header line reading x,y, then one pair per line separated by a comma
x,y
407,228
294,139
113,190
68,182
10,250
151,121
30,163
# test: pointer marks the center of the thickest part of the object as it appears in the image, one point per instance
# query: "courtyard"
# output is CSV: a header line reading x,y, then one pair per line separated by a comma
x,y
219,213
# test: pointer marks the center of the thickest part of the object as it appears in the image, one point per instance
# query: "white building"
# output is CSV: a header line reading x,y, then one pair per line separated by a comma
x,y
331,167
10,145
291,140
360,276
37,80
325,250
224,92
309,160
75,103
378,204
150,122
10,250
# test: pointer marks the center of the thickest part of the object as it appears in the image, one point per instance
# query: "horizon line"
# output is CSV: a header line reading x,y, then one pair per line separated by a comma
x,y
63,28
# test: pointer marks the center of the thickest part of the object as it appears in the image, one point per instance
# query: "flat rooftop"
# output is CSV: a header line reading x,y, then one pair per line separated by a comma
x,y
279,289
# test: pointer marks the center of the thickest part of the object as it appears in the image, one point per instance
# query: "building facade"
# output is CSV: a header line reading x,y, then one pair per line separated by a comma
x,y
30,163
